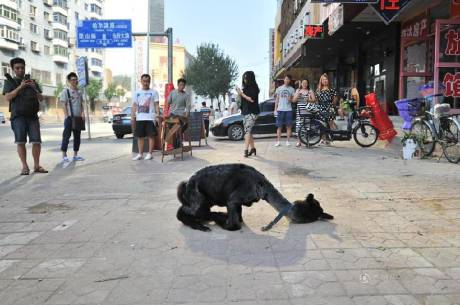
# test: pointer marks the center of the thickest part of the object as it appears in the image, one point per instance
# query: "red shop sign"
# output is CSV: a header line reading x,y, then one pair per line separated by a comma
x,y
314,31
452,84
416,28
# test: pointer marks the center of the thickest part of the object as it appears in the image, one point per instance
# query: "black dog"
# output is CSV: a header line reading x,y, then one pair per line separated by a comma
x,y
235,185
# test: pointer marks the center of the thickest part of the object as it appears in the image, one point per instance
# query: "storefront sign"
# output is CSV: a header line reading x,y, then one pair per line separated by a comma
x,y
335,20
452,84
389,9
314,31
416,28
455,8
345,1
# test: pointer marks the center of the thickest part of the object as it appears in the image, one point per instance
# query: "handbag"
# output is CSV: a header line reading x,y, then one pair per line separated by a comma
x,y
78,124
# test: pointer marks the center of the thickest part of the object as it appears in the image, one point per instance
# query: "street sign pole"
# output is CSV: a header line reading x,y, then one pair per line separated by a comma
x,y
83,81
88,120
169,34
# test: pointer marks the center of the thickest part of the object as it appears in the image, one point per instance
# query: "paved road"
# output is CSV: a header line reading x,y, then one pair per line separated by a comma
x,y
106,233
94,150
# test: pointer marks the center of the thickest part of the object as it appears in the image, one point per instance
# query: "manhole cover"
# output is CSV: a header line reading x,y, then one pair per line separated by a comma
x,y
43,208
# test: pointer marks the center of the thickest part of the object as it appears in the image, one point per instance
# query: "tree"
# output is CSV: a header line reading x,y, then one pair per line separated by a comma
x,y
93,90
110,91
211,73
120,92
122,80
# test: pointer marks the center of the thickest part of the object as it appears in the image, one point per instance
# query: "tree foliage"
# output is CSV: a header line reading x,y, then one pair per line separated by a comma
x,y
122,80
211,72
93,90
110,91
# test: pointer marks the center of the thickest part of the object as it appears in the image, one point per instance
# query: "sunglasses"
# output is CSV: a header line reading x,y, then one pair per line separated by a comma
x,y
73,79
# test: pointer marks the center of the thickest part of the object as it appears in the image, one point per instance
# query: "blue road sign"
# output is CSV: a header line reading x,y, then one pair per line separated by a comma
x,y
104,34
82,71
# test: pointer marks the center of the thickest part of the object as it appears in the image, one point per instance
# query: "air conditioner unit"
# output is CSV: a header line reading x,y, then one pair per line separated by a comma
x,y
36,48
50,35
32,15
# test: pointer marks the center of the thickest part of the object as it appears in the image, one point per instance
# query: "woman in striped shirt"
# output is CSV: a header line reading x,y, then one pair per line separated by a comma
x,y
303,96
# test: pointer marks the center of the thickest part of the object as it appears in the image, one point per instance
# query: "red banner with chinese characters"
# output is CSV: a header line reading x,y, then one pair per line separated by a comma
x,y
314,31
455,8
415,28
452,84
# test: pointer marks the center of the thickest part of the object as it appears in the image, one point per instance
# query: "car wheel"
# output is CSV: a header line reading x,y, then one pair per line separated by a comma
x,y
236,132
119,135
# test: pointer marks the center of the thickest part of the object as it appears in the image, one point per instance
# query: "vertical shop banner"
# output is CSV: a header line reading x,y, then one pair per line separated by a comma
x,y
388,10
335,20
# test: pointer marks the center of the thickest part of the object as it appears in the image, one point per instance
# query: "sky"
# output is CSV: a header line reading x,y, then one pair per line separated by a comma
x,y
239,27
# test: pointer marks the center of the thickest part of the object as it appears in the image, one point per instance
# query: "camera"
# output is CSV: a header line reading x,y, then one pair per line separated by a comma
x,y
27,77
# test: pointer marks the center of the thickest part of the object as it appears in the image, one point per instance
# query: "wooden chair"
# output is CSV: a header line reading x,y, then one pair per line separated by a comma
x,y
172,134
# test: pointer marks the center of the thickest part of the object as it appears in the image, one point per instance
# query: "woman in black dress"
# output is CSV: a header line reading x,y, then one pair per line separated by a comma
x,y
326,98
249,109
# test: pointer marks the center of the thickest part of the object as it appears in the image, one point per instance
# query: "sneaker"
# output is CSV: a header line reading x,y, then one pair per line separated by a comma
x,y
78,158
148,157
287,143
277,144
65,160
138,157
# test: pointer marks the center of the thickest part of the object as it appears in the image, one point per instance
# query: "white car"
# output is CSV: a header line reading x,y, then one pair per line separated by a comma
x,y
2,118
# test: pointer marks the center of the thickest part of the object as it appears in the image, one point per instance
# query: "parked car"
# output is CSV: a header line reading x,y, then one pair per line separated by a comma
x,y
121,123
2,118
232,126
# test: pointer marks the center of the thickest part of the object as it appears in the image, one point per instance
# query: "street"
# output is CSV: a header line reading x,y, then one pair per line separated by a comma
x,y
104,231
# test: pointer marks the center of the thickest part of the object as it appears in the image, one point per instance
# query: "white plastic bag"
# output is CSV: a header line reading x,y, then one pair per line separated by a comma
x,y
409,149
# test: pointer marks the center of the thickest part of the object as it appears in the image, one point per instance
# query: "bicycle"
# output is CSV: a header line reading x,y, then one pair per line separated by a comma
x,y
431,129
313,128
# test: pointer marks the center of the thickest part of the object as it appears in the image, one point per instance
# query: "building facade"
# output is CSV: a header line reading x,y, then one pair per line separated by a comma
x,y
355,48
43,32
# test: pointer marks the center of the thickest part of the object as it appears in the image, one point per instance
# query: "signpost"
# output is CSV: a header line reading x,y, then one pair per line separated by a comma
x,y
104,34
83,81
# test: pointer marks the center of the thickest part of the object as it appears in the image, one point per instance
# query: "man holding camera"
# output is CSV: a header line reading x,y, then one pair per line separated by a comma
x,y
24,95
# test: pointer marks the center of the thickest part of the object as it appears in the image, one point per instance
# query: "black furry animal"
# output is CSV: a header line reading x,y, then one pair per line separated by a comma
x,y
235,185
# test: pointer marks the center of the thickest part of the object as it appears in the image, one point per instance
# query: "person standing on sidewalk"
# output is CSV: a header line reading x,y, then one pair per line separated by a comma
x,y
249,109
206,114
303,96
144,116
24,96
326,98
72,100
283,109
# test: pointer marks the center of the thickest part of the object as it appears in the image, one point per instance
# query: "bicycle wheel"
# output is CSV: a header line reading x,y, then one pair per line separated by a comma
x,y
310,133
422,131
365,134
450,141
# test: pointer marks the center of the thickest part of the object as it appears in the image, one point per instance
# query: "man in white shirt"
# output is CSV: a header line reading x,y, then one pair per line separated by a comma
x,y
144,116
283,109
233,107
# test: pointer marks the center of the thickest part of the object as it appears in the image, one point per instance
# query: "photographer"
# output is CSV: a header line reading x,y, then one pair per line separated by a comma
x,y
24,95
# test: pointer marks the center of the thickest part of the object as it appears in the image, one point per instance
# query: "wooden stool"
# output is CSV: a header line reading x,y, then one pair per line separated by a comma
x,y
172,133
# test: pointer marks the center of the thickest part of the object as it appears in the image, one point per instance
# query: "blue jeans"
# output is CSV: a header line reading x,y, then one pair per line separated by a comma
x,y
66,136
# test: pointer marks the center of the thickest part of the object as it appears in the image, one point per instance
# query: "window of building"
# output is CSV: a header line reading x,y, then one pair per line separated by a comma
x,y
60,3
8,12
9,33
96,62
97,74
58,17
47,50
33,28
46,16
46,77
60,50
6,68
32,11
86,6
34,46
60,34
58,78
96,9
77,17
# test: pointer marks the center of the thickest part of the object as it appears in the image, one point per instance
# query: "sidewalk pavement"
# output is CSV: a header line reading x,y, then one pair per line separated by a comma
x,y
106,233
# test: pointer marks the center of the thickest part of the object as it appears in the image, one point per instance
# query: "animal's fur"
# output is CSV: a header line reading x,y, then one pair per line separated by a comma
x,y
232,186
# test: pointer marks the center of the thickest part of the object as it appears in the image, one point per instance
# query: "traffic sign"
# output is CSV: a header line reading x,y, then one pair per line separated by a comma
x,y
82,71
104,34
388,10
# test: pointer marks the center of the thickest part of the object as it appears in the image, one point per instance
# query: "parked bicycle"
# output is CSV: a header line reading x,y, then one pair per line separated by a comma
x,y
363,132
438,127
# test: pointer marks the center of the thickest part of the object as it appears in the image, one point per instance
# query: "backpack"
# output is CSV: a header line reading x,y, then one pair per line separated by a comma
x,y
26,102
